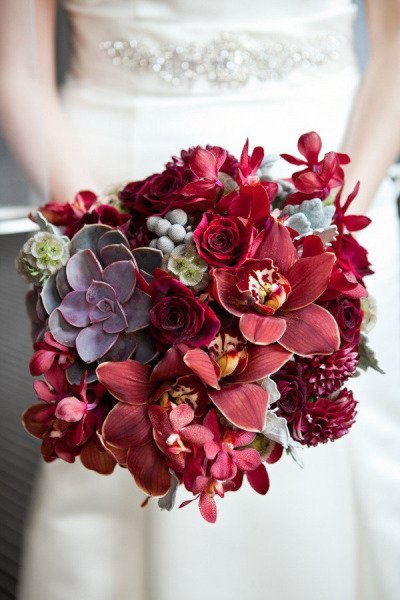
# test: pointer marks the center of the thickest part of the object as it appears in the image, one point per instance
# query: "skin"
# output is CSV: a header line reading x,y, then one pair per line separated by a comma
x,y
372,138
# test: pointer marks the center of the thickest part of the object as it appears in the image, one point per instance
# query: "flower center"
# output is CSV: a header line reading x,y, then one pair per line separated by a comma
x,y
265,288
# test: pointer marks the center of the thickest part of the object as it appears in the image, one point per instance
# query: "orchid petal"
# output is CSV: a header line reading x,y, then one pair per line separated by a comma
x,y
247,459
96,459
277,245
181,416
208,508
171,365
128,381
127,426
310,330
261,329
227,293
70,409
262,361
259,480
149,469
200,363
223,467
244,405
308,278
197,435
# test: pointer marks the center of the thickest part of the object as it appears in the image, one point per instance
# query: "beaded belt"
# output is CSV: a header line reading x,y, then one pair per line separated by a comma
x,y
227,60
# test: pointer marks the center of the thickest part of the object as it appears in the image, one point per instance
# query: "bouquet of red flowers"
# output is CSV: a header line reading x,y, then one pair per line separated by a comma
x,y
192,326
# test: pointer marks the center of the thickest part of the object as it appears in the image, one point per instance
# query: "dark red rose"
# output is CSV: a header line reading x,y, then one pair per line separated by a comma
x,y
223,241
153,195
108,215
177,316
327,419
293,391
348,315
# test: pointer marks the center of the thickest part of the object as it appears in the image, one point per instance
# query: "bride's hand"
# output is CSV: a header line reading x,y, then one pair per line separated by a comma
x,y
31,116
373,134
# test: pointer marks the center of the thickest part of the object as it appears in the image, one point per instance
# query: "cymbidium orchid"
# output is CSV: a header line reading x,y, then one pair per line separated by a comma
x,y
273,295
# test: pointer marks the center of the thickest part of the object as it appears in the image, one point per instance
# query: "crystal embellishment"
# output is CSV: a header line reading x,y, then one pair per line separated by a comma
x,y
228,60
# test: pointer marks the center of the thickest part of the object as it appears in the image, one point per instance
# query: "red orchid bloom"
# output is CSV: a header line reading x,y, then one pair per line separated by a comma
x,y
206,165
67,421
249,164
319,176
49,355
223,450
128,430
175,433
273,295
205,487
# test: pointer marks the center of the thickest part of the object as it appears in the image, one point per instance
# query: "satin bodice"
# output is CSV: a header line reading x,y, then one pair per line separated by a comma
x,y
176,47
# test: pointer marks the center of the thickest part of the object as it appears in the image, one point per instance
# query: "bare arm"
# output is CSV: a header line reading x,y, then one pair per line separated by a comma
x,y
373,135
31,116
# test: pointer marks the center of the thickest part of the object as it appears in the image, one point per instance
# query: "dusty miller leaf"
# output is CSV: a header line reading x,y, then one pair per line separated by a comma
x,y
368,359
167,502
43,223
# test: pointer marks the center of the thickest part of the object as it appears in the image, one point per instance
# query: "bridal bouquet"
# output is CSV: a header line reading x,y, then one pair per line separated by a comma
x,y
193,326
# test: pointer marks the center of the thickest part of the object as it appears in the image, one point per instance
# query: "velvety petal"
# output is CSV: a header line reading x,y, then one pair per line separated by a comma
x,y
227,293
148,259
171,365
208,508
97,460
209,330
128,381
308,278
93,342
195,434
200,484
50,296
62,332
137,311
259,479
82,269
247,459
260,329
277,245
117,321
263,360
127,426
211,421
223,467
310,330
181,416
211,449
70,409
200,363
75,309
244,405
121,276
149,469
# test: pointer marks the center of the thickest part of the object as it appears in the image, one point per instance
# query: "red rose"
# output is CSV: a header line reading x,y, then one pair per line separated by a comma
x,y
293,392
178,316
153,195
355,256
348,315
223,241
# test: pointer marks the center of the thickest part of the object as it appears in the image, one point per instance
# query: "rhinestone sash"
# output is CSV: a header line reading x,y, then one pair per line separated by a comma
x,y
228,60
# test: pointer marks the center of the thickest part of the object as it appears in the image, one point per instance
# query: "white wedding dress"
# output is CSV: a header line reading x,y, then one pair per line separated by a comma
x,y
329,531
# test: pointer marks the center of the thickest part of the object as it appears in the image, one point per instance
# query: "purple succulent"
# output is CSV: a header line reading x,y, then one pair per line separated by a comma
x,y
95,304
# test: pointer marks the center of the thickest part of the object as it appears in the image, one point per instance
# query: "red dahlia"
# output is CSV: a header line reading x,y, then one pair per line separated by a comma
x,y
326,374
327,419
